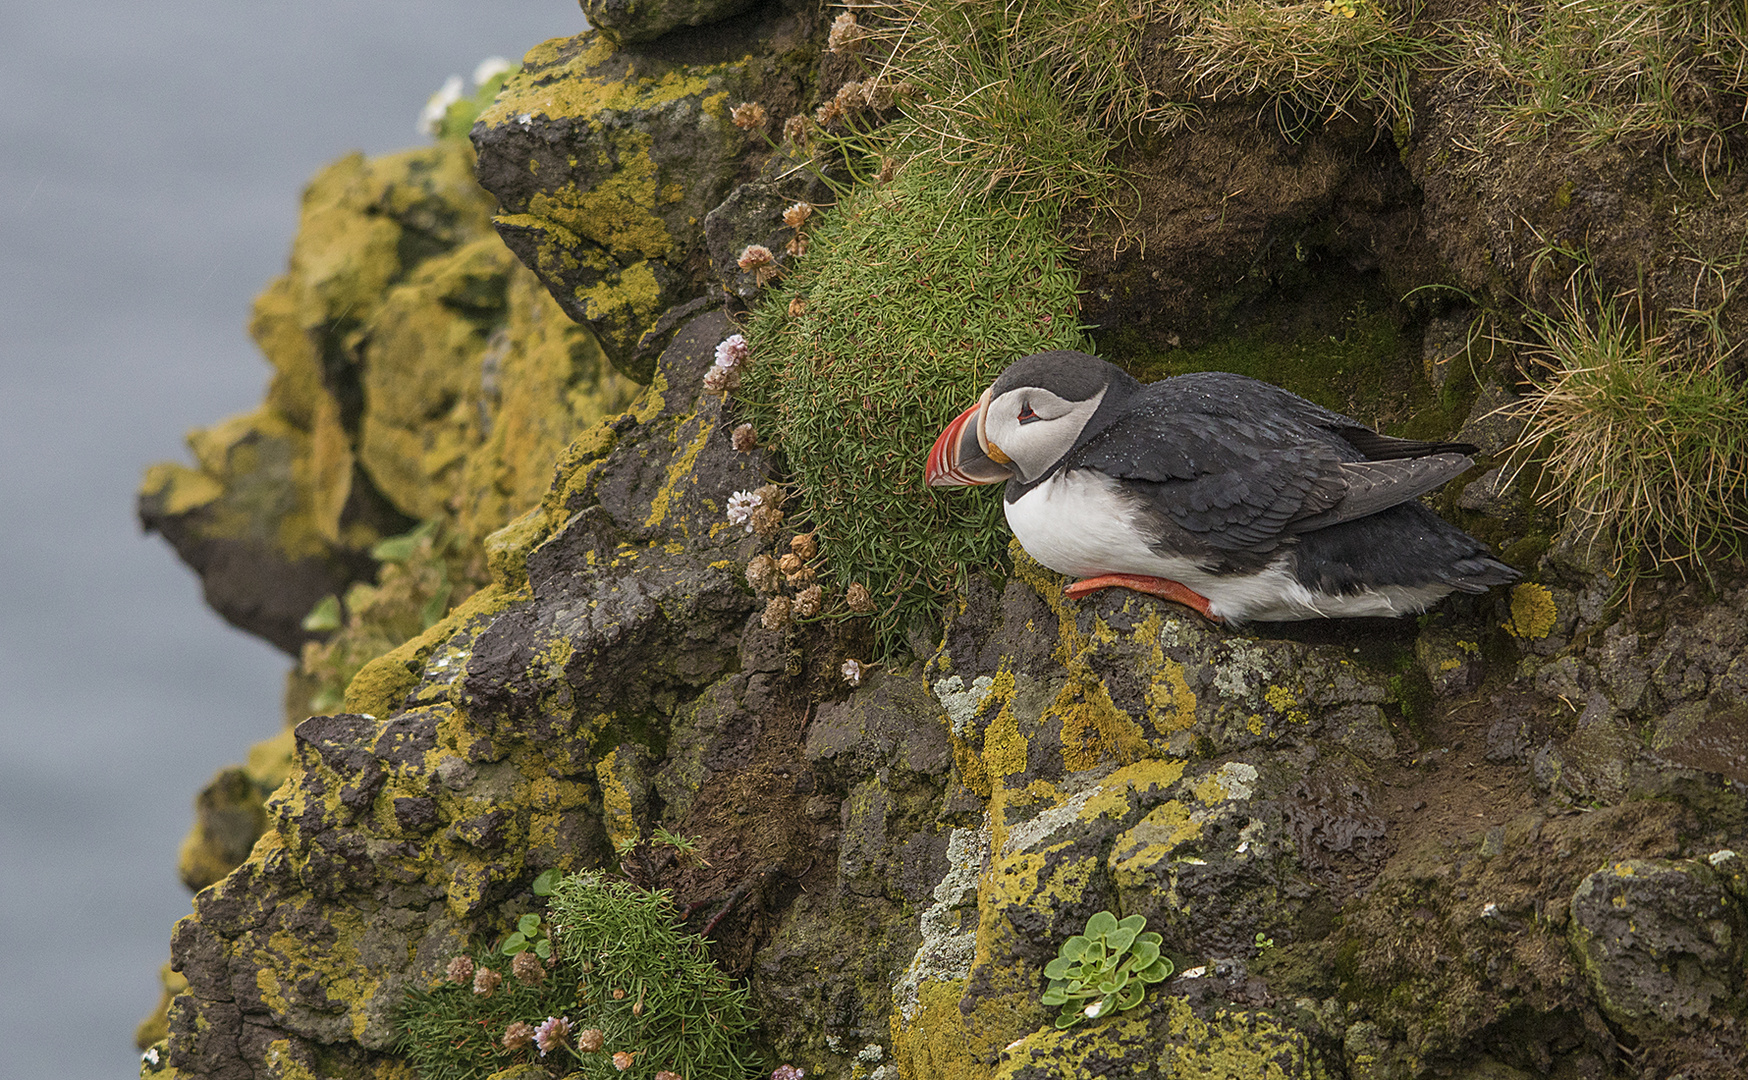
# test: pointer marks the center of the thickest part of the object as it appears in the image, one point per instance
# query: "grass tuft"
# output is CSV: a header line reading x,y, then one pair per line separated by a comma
x,y
1663,71
911,300
1025,101
1319,59
1644,435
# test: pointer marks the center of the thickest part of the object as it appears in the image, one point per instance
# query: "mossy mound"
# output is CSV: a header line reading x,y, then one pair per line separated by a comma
x,y
909,302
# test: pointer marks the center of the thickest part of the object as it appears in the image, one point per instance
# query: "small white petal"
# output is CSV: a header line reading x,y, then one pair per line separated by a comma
x,y
490,68
438,104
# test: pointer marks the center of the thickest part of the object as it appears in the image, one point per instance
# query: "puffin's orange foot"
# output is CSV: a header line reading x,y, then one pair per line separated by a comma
x,y
1164,588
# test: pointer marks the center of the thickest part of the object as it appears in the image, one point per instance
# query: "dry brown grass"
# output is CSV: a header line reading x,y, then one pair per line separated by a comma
x,y
1642,436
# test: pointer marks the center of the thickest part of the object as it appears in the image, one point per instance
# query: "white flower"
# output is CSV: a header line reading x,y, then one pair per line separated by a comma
x,y
150,1057
490,68
852,672
524,118
732,352
741,506
432,116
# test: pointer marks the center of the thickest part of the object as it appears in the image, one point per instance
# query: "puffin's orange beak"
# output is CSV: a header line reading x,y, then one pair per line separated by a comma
x,y
958,458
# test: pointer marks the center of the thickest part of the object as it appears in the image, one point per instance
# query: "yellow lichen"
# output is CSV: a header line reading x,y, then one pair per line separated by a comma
x,y
679,470
621,826
1532,611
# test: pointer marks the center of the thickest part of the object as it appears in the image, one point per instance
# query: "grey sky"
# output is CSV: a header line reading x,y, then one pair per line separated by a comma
x,y
149,182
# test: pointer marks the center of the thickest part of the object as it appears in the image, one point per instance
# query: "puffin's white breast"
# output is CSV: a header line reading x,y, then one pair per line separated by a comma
x,y
1079,522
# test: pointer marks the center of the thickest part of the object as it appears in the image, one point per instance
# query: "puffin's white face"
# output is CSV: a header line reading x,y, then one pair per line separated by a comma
x,y
1032,428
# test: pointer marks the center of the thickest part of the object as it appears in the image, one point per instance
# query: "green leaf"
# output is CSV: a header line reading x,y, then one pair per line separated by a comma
x,y
1151,938
543,948
528,924
1101,924
1144,953
1158,971
1119,940
1134,922
1054,996
1130,996
1074,948
1058,968
432,613
324,616
1067,1019
514,944
399,548
543,885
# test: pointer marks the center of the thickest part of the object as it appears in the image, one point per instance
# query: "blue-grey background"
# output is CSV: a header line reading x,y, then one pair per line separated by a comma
x,y
151,160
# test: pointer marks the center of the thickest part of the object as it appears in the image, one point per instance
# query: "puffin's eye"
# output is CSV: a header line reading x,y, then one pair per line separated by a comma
x,y
1027,415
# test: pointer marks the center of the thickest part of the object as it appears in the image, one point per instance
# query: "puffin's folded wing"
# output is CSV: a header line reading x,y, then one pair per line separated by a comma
x,y
1236,485
1376,485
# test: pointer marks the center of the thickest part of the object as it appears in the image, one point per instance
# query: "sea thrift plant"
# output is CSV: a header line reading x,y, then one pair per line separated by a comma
x,y
552,1034
741,506
674,1010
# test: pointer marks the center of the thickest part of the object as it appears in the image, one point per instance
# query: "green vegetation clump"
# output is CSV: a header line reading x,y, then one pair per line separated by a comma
x,y
908,304
1314,58
637,996
1025,101
1642,435
1600,71
1104,970
423,574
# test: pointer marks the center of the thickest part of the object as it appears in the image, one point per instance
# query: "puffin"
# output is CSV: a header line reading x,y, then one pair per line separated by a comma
x,y
1232,496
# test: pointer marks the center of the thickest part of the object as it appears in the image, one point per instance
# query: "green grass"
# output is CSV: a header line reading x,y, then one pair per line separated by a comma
x,y
915,299
1642,435
1598,71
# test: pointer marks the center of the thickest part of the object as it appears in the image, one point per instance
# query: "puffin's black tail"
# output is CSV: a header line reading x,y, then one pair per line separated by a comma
x,y
1406,545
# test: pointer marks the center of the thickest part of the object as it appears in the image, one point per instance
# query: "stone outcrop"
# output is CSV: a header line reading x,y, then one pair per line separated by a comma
x,y
1498,841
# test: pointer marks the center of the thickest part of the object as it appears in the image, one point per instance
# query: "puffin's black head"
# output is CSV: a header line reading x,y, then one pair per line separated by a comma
x,y
1026,422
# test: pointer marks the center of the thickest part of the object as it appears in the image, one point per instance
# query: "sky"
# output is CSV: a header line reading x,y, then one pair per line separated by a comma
x,y
153,159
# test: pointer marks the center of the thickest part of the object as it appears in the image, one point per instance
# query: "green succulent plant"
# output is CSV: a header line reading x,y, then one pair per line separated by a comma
x,y
1104,970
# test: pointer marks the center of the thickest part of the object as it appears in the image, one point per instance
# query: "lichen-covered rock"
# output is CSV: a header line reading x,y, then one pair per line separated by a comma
x,y
401,834
605,162
629,21
1661,943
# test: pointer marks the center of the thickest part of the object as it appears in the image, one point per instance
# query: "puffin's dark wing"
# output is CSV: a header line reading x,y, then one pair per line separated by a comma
x,y
1242,464
1236,484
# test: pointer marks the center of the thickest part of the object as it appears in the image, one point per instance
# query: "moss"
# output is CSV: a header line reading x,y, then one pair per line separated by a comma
x,y
914,301
183,490
1364,368
507,549
1004,748
1533,613
1094,730
679,471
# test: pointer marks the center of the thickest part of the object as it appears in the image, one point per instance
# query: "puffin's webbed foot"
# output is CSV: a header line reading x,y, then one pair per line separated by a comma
x,y
1164,588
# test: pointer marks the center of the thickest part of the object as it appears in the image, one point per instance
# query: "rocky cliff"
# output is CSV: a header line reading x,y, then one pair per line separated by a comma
x,y
487,503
